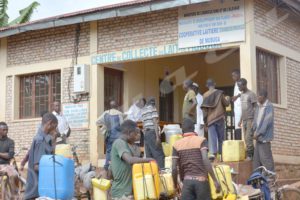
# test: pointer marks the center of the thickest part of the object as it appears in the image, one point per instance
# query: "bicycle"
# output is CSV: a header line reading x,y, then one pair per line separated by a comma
x,y
285,192
80,191
6,193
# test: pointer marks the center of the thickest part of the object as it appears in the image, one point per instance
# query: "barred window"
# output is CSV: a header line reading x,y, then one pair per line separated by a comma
x,y
38,92
268,74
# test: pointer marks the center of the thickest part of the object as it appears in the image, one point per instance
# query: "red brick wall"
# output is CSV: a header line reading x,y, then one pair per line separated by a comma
x,y
47,45
277,24
287,121
283,28
136,31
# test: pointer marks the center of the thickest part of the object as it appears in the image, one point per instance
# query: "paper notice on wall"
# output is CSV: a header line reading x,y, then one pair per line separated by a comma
x,y
209,23
77,115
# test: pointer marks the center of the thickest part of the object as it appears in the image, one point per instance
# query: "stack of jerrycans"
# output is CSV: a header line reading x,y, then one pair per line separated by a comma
x,y
223,175
146,181
167,188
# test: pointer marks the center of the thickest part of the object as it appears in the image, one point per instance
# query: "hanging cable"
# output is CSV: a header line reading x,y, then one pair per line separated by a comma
x,y
74,58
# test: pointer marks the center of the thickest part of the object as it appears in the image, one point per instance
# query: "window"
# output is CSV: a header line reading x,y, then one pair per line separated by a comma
x,y
268,74
37,92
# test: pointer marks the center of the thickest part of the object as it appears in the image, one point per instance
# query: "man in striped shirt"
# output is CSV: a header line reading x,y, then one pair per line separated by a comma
x,y
190,154
152,141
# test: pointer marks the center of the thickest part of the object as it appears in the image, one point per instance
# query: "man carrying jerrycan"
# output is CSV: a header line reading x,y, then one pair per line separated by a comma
x,y
122,159
190,153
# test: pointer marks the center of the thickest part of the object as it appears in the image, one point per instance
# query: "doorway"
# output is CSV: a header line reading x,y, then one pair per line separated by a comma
x,y
113,87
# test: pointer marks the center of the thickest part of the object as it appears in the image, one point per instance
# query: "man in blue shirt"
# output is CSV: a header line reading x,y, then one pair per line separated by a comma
x,y
42,144
263,127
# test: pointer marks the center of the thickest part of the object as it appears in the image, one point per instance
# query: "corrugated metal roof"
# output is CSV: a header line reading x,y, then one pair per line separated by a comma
x,y
87,11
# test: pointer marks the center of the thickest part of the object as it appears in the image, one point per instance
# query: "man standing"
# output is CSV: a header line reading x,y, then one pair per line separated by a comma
x,y
194,165
199,127
249,102
189,102
263,127
214,107
236,76
7,151
63,127
152,140
42,144
135,111
110,121
122,159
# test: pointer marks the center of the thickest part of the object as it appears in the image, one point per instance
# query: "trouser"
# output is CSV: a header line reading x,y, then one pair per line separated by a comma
x,y
263,156
247,129
152,149
216,136
195,190
238,134
108,145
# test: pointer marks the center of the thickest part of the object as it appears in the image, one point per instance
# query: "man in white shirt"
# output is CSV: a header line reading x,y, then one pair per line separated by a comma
x,y
199,126
63,128
135,111
236,76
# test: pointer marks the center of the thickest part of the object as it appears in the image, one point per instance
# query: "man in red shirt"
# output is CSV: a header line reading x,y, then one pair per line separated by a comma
x,y
190,154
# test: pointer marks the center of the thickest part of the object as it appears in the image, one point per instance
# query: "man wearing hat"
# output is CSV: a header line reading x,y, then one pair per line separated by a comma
x,y
213,106
199,127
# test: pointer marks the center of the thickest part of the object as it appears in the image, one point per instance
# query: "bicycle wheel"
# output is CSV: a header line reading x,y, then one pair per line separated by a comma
x,y
289,193
5,189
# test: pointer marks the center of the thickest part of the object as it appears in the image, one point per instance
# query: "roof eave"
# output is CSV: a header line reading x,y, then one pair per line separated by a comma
x,y
98,15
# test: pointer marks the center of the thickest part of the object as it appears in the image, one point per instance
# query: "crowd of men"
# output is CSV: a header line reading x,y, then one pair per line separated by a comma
x,y
253,114
254,117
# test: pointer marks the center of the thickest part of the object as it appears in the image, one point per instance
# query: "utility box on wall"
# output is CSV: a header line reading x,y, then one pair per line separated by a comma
x,y
81,78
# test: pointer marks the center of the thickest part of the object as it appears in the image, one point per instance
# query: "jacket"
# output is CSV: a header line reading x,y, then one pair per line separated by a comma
x,y
213,106
265,129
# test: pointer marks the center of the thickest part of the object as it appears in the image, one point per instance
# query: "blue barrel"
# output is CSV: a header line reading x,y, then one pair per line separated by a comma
x,y
64,177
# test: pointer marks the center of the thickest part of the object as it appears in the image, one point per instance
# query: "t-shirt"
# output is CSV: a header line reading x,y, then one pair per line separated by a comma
x,y
189,98
188,150
248,100
149,112
121,171
7,145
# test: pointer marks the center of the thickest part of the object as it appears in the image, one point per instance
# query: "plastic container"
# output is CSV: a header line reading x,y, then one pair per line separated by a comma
x,y
166,149
171,129
146,181
64,150
167,184
233,151
173,139
223,175
100,188
168,162
63,177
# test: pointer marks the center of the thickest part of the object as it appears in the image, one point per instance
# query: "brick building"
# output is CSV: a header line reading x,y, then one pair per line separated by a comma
x,y
133,47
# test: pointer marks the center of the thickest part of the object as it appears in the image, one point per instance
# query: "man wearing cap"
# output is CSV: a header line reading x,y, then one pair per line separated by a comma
x,y
152,140
199,127
189,102
213,106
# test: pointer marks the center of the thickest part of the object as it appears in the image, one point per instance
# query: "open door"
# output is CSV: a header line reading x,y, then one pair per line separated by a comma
x,y
113,87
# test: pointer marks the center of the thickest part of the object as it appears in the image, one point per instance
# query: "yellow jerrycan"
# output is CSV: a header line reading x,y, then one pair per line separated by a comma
x,y
100,188
64,150
146,181
173,139
167,187
233,151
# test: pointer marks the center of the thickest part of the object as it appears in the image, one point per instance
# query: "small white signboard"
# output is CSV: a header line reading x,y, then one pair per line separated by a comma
x,y
209,23
77,115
